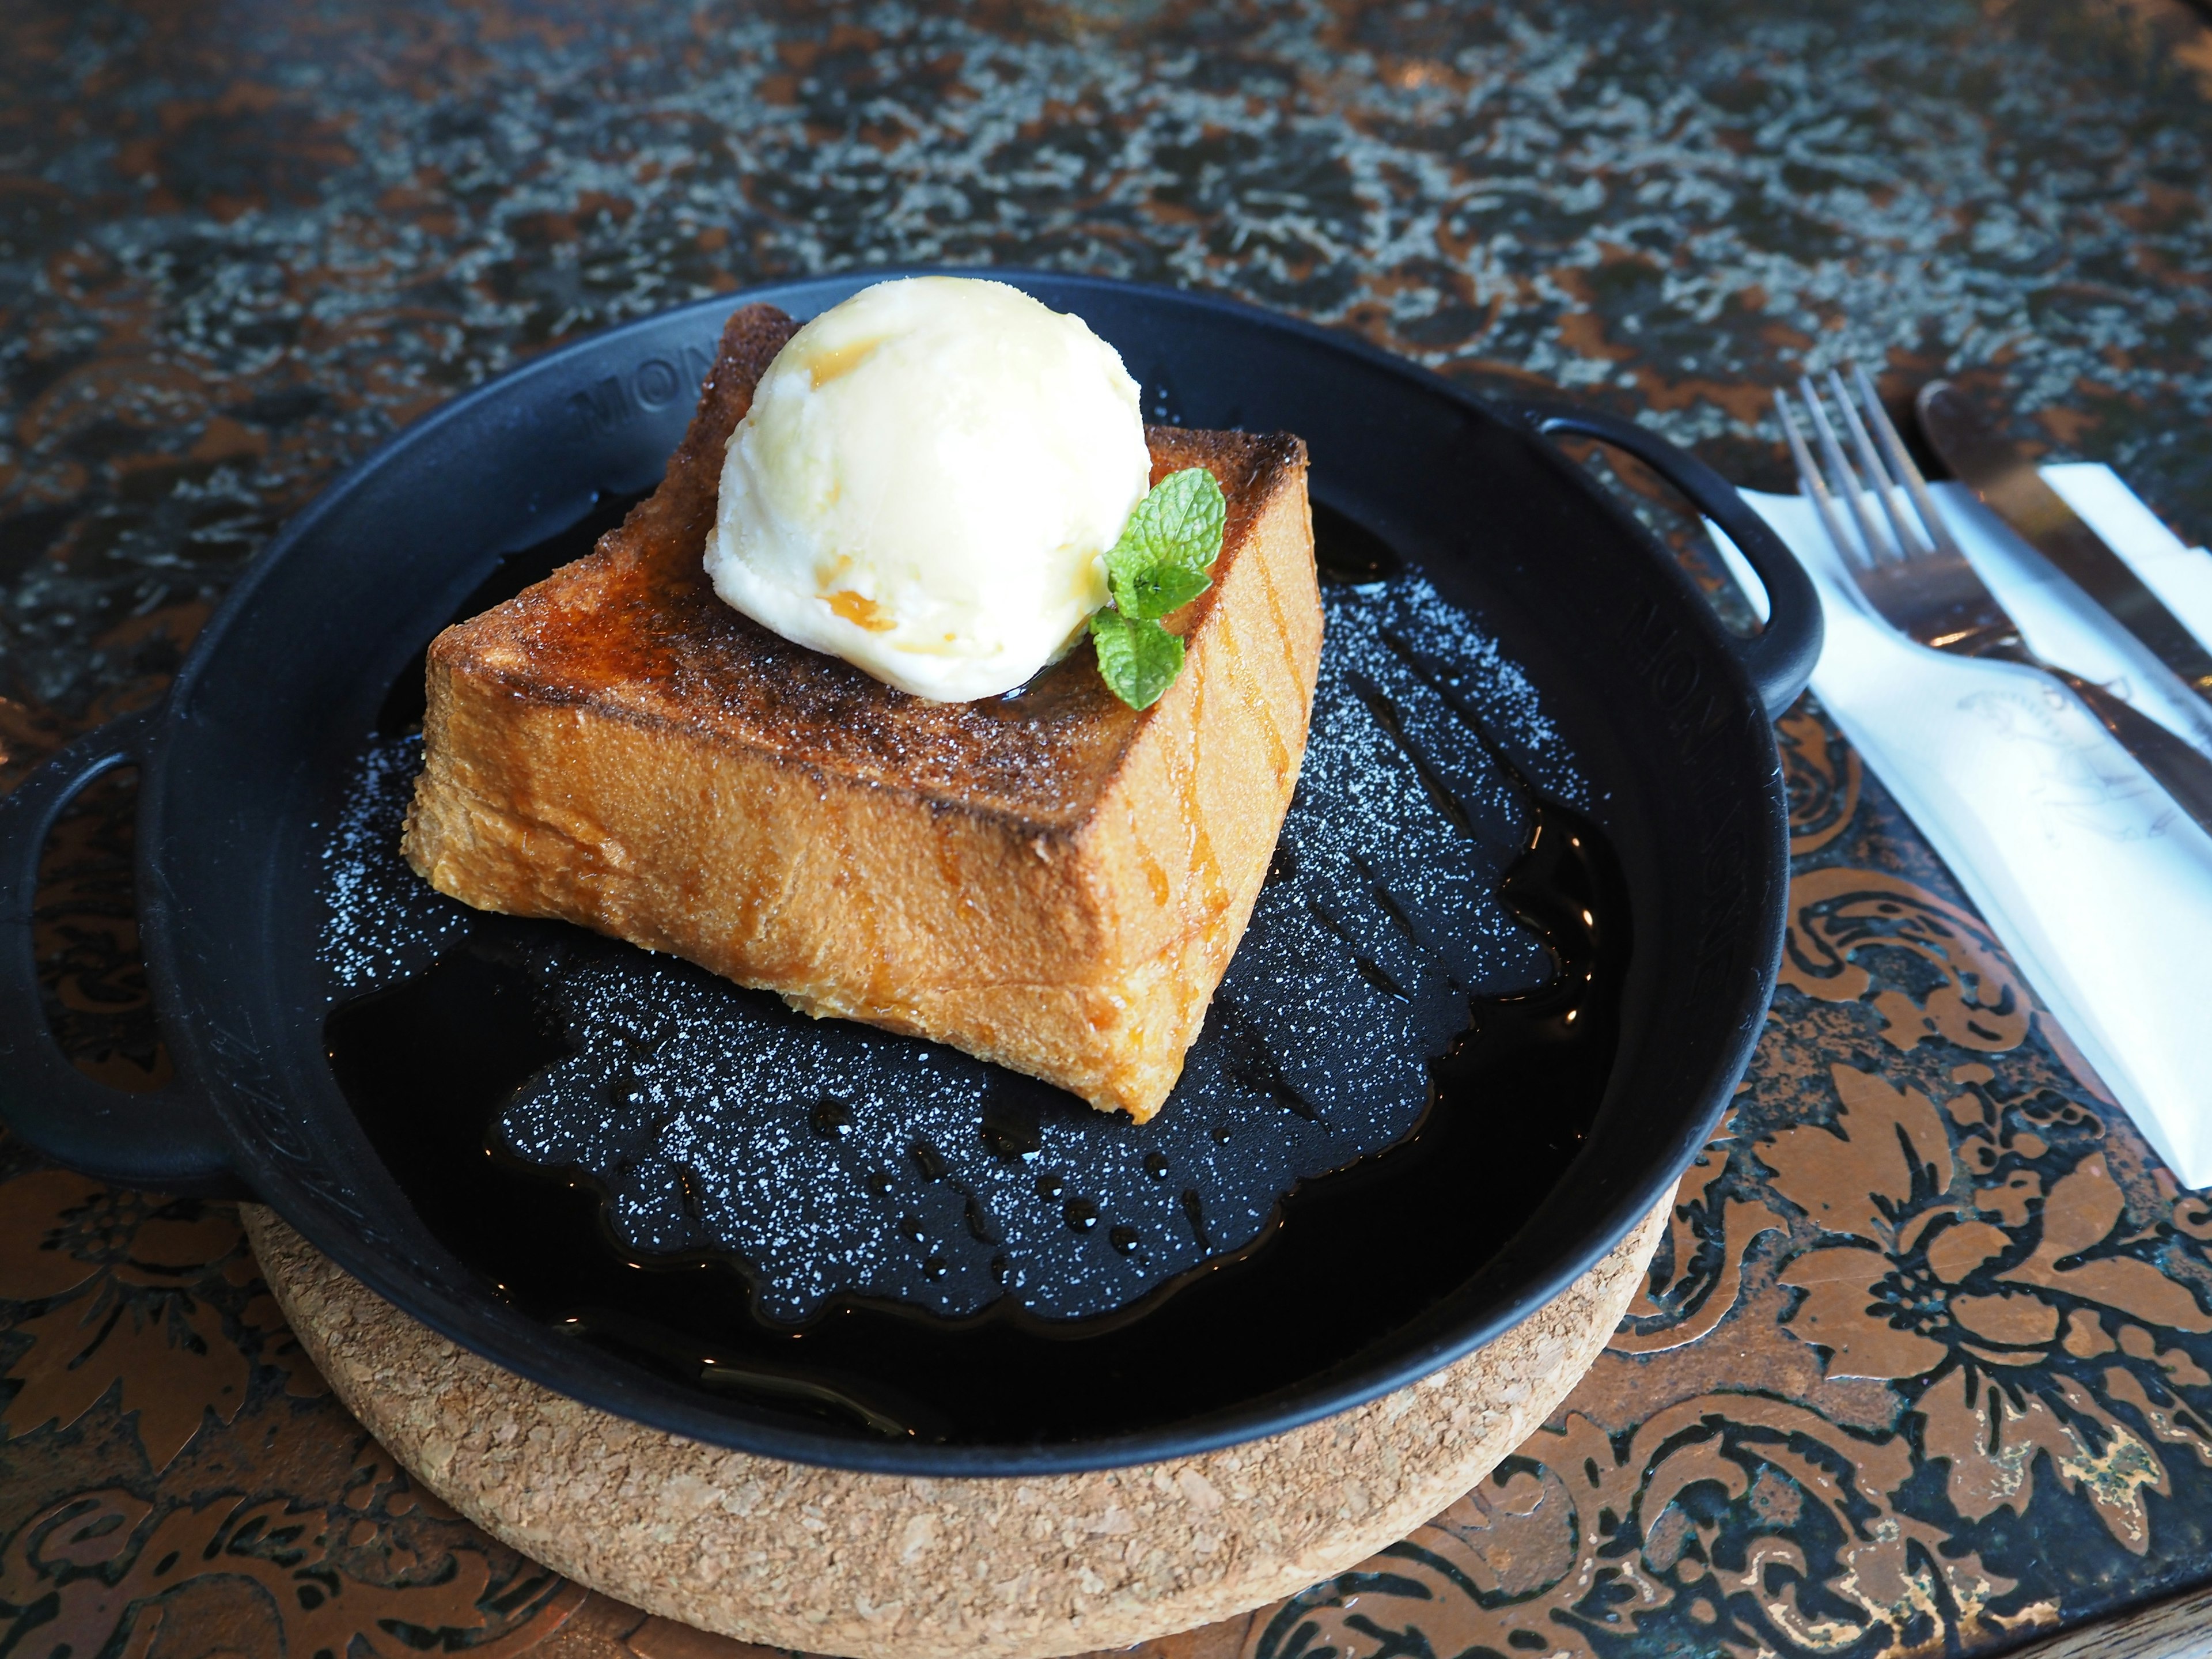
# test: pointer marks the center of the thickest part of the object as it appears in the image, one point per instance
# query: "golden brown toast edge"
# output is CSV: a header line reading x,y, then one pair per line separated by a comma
x,y
1085,957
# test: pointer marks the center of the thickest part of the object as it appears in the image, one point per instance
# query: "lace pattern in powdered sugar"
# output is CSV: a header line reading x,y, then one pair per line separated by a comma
x,y
381,922
828,1159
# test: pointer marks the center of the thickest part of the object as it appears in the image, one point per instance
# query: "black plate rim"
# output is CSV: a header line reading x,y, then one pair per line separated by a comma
x,y
530,1351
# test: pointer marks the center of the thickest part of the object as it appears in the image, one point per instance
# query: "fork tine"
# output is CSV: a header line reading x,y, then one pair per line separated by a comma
x,y
1910,542
1846,481
1812,484
1901,463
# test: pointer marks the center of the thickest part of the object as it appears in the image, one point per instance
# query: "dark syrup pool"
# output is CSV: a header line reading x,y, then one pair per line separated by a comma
x,y
430,1065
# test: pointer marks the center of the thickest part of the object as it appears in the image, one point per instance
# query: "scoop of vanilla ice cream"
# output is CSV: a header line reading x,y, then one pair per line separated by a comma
x,y
927,484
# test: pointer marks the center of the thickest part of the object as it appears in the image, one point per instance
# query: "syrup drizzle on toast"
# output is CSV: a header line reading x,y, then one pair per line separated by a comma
x,y
463,1022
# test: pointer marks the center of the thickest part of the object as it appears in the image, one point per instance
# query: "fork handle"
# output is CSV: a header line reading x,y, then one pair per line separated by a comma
x,y
2180,768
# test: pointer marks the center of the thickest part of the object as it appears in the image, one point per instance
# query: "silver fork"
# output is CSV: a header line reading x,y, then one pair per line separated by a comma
x,y
1905,561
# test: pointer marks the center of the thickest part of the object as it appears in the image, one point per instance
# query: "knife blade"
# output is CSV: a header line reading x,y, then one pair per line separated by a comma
x,y
2006,479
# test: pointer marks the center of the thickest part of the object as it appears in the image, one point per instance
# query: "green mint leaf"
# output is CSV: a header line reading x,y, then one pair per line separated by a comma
x,y
1138,659
1170,542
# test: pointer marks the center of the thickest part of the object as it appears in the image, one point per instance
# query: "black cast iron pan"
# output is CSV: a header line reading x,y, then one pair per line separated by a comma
x,y
1530,1164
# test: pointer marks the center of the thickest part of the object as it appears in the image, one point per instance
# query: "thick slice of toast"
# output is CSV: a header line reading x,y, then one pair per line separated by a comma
x,y
1048,879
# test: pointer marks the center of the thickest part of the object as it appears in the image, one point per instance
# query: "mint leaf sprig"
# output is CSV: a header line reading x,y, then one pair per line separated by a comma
x,y
1158,565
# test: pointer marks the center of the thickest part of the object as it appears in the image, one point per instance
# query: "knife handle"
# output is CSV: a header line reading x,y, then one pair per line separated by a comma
x,y
2180,768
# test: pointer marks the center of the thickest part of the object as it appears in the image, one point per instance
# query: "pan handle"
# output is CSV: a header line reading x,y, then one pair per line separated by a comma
x,y
167,1140
1779,658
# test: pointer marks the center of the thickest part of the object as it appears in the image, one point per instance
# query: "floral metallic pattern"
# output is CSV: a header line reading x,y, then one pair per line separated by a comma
x,y
240,242
1921,1366
175,1477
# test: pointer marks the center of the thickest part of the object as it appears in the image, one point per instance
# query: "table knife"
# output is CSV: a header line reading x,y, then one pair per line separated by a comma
x,y
2006,479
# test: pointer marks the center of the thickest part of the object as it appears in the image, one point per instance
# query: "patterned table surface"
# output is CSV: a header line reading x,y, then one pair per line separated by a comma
x,y
1924,1364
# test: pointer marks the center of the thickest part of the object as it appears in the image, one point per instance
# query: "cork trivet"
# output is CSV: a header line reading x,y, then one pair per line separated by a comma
x,y
892,1567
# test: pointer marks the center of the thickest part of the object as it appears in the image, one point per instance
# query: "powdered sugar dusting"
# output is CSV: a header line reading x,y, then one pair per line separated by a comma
x,y
381,922
828,1158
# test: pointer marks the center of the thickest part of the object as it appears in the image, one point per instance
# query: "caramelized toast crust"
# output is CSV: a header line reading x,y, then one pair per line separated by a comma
x,y
1049,879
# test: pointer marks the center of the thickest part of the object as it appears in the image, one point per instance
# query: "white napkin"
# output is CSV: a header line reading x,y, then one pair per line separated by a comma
x,y
2099,885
